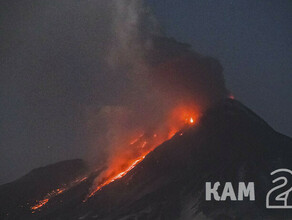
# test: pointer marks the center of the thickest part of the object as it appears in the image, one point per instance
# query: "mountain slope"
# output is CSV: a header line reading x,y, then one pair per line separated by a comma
x,y
229,144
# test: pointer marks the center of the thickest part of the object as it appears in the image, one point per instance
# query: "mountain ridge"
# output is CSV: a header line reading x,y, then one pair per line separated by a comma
x,y
229,143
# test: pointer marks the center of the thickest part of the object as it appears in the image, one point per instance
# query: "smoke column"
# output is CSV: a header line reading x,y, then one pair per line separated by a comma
x,y
161,76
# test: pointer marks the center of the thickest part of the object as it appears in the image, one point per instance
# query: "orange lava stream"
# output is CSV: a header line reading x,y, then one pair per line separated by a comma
x,y
54,193
127,160
39,204
180,118
118,176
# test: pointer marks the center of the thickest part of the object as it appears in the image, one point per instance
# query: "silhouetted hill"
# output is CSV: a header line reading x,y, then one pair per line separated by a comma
x,y
229,144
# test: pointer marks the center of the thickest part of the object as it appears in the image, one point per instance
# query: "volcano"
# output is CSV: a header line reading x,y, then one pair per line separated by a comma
x,y
229,143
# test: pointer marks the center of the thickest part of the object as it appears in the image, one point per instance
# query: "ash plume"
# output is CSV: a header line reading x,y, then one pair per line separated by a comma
x,y
159,75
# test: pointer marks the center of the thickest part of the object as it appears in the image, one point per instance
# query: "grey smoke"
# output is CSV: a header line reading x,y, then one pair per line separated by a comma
x,y
159,73
70,68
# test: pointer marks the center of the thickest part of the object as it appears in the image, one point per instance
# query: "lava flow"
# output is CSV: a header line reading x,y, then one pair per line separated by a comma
x,y
56,192
138,148
118,176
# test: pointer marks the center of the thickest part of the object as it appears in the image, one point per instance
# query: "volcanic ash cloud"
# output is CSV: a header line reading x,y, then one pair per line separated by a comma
x,y
165,83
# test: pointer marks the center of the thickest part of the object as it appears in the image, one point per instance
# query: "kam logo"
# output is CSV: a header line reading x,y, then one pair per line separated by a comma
x,y
278,197
228,192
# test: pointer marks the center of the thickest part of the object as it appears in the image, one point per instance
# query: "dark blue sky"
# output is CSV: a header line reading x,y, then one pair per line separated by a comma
x,y
252,40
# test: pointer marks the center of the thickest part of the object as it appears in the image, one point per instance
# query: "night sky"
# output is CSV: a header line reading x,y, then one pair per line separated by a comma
x,y
51,72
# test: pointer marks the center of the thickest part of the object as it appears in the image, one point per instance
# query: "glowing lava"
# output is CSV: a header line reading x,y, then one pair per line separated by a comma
x,y
231,96
39,204
56,192
118,176
138,148
191,120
